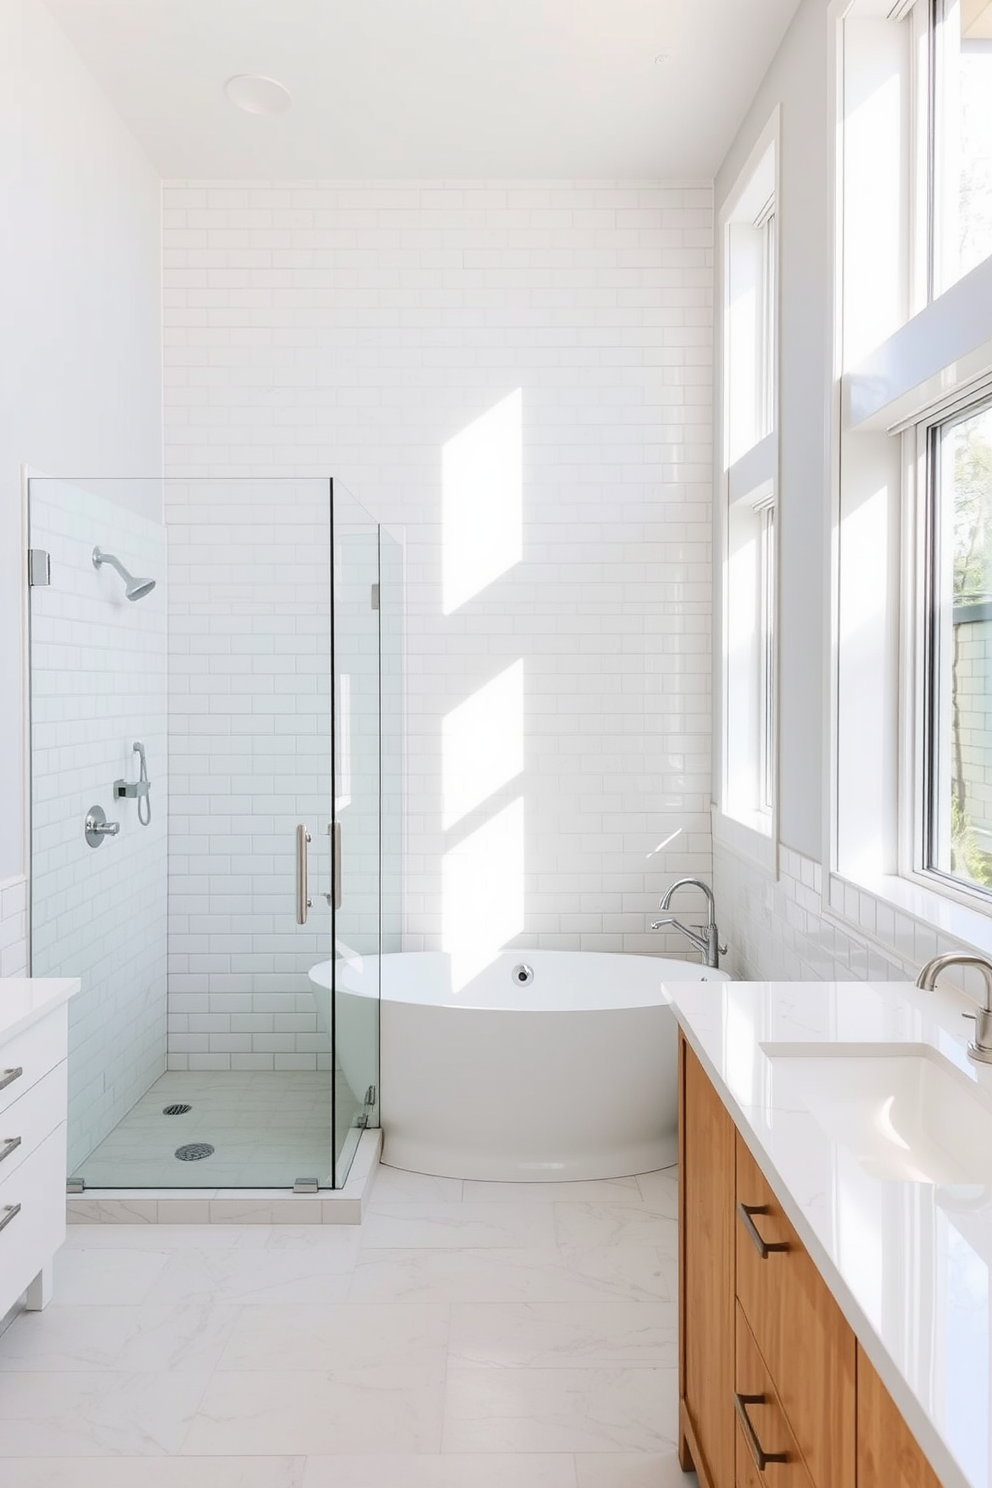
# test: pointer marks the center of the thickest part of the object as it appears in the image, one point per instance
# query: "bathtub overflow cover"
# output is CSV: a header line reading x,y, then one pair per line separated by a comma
x,y
522,974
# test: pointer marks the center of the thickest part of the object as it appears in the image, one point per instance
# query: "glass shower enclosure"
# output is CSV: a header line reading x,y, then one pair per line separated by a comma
x,y
213,783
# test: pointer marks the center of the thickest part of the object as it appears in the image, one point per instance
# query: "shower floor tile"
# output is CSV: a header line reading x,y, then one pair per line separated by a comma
x,y
267,1129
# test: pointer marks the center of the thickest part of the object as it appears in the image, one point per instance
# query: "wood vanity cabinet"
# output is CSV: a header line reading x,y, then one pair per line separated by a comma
x,y
774,1391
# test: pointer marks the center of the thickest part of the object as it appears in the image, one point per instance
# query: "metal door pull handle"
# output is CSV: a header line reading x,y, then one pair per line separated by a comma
x,y
763,1247
303,900
11,1212
11,1145
761,1457
9,1076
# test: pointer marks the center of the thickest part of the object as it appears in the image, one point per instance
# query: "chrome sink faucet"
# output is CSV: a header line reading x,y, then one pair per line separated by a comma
x,y
706,938
980,1047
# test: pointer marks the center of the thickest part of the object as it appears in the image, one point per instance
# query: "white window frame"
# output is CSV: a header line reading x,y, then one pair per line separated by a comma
x,y
746,489
930,364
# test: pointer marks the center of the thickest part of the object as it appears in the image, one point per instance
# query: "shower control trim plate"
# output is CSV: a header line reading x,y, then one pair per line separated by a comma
x,y
97,827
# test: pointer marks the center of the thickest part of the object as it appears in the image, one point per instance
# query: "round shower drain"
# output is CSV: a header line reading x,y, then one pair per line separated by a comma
x,y
522,974
179,1109
193,1151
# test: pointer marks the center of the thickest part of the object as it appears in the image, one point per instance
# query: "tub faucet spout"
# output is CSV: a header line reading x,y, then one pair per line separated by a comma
x,y
706,938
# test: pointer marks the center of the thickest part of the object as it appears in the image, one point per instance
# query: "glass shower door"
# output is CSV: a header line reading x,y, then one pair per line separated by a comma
x,y
356,827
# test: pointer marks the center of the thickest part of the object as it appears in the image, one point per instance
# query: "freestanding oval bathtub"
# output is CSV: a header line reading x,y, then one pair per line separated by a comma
x,y
569,1075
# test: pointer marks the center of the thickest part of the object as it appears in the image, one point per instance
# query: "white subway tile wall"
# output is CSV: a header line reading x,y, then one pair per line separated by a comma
x,y
14,928
98,683
519,376
250,752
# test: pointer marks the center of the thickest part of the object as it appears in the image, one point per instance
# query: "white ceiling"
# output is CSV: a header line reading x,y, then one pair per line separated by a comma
x,y
432,88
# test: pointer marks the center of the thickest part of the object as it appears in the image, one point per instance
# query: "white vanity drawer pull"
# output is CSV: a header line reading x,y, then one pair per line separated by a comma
x,y
11,1145
10,1211
9,1076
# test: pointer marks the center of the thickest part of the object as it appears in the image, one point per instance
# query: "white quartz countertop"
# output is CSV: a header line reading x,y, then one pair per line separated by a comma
x,y
23,1000
908,1262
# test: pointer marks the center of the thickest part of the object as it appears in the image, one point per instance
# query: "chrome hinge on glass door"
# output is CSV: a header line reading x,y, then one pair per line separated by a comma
x,y
303,840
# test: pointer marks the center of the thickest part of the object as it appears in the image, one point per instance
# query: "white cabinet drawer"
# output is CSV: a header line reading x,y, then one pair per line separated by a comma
x,y
28,1056
32,1212
28,1121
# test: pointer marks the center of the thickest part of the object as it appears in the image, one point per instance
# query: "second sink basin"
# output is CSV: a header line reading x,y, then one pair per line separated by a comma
x,y
903,1110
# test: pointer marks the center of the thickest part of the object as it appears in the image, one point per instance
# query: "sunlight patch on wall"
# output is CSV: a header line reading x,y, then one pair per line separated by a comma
x,y
483,893
482,743
482,501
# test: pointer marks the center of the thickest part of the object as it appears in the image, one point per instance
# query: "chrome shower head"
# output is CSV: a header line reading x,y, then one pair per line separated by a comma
x,y
134,588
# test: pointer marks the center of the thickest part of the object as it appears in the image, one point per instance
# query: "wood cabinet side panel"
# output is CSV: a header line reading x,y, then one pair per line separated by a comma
x,y
708,1167
888,1454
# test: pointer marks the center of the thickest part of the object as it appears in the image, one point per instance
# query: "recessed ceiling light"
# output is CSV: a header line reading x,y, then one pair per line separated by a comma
x,y
257,95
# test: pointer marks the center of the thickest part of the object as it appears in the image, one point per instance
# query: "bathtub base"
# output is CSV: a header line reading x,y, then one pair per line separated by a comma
x,y
442,1162
472,1093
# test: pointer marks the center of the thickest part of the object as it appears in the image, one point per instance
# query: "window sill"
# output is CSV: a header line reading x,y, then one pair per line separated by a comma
x,y
858,904
750,837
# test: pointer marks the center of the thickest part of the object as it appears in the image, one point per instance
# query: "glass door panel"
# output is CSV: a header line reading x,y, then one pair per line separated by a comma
x,y
356,911
200,1045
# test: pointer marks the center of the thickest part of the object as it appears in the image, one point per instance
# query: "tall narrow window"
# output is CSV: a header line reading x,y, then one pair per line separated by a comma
x,y
958,650
961,135
750,448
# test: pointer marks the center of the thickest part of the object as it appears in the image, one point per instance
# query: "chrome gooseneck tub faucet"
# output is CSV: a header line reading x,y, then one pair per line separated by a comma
x,y
706,938
980,1048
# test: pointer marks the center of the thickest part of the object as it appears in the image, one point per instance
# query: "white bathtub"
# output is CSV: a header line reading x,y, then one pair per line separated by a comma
x,y
572,1076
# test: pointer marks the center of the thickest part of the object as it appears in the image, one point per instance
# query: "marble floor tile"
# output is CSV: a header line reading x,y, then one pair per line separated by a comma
x,y
97,1413
383,1410
126,1339
625,1470
317,1276
396,1183
450,1470
559,1410
463,1226
613,1224
591,1190
100,1278
352,1336
661,1190
573,1335
156,1472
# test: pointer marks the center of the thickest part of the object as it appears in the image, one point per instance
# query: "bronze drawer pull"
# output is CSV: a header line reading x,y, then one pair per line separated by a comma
x,y
9,1076
763,1247
761,1457
11,1145
11,1212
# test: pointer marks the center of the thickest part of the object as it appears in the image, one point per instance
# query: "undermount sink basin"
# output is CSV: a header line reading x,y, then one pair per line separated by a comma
x,y
903,1110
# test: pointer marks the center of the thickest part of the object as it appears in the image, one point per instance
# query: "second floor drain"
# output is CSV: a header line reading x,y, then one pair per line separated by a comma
x,y
179,1109
193,1151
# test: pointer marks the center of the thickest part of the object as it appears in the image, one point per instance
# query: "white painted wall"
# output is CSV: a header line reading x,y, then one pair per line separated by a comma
x,y
520,377
80,353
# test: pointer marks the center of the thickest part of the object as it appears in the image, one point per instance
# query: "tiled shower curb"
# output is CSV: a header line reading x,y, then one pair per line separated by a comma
x,y
344,1206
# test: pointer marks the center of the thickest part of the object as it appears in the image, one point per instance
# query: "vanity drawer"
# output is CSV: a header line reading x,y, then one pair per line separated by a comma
x,y
33,1053
761,1423
32,1233
29,1120
801,1334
